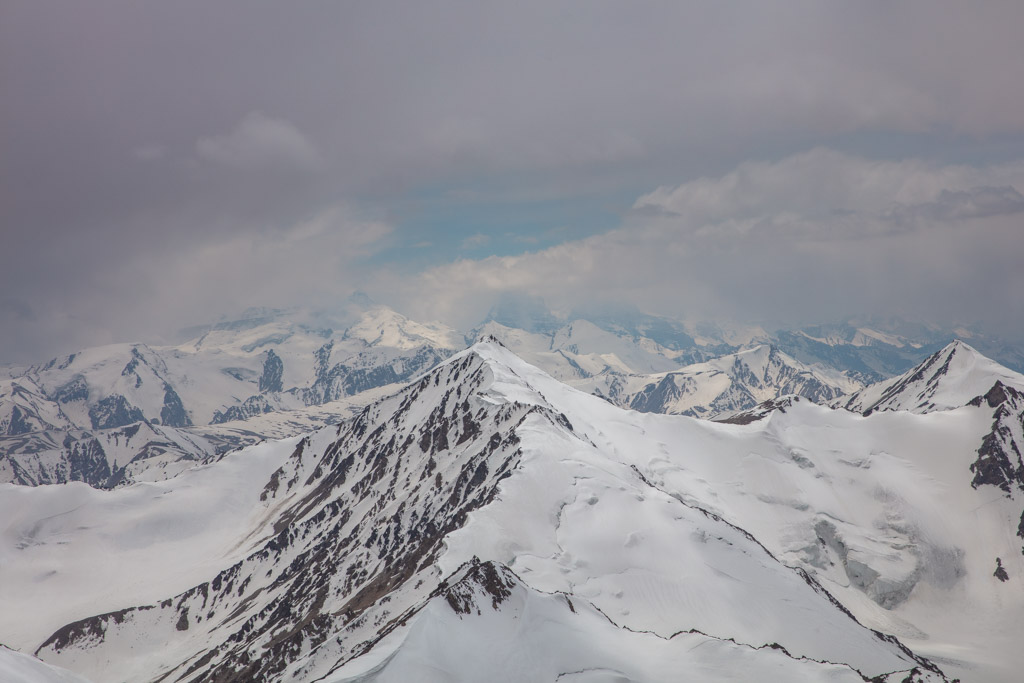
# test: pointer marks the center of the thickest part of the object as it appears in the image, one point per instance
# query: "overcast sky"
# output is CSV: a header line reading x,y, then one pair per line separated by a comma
x,y
165,163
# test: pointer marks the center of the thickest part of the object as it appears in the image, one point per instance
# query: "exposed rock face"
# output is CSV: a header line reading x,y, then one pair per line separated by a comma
x,y
25,408
74,390
87,462
654,397
18,424
252,406
273,370
114,411
999,460
930,373
103,458
173,413
322,364
1000,572
491,581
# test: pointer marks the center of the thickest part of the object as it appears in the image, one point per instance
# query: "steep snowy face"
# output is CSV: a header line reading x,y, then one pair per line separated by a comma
x,y
948,379
486,483
722,386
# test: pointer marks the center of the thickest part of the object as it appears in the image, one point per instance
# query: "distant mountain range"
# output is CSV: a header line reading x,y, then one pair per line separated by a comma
x,y
117,414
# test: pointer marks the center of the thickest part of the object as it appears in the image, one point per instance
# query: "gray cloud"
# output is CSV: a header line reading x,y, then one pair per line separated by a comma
x,y
977,202
154,133
259,141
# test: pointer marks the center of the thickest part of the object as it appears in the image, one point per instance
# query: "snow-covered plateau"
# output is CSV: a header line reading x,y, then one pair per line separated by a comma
x,y
489,522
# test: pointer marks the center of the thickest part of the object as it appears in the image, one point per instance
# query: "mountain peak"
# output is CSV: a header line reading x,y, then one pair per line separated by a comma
x,y
383,326
488,340
950,378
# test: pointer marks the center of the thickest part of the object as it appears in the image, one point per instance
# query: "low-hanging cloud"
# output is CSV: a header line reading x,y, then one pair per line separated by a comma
x,y
316,261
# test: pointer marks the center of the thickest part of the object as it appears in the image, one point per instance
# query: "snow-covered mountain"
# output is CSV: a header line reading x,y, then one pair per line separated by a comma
x,y
731,383
637,372
488,521
956,377
581,349
129,412
875,350
143,451
949,378
132,412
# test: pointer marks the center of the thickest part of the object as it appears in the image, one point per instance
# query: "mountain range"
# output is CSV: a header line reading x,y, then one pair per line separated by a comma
x,y
489,521
123,413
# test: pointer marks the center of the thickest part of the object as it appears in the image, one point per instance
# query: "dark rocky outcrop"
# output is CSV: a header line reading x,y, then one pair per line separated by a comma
x,y
999,461
250,407
19,423
113,411
74,390
173,413
273,371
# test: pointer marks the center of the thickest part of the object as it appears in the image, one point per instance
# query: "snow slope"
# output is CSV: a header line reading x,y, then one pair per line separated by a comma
x,y
16,667
485,498
491,626
70,551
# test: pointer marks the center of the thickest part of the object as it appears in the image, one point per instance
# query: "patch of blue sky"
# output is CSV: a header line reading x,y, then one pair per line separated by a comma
x,y
439,226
